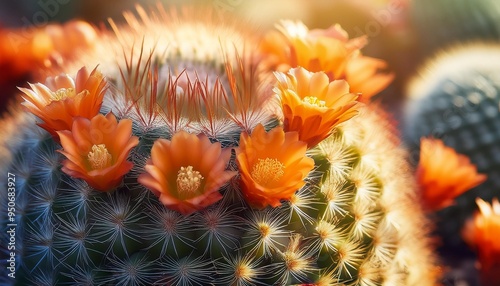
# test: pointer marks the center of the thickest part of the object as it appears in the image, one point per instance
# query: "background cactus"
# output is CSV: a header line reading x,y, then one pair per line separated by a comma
x,y
457,100
355,222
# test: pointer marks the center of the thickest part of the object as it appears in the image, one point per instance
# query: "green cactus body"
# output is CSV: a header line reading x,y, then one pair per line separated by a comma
x,y
446,22
457,100
355,222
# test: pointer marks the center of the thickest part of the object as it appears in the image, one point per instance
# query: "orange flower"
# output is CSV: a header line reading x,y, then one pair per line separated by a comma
x,y
272,165
327,50
70,38
482,233
312,105
443,174
26,52
26,49
97,150
187,172
21,52
61,99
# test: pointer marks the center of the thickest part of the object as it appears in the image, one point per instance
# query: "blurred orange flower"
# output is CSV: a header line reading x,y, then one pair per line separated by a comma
x,y
30,48
61,99
21,54
97,150
482,233
272,165
69,38
312,105
328,50
26,52
187,172
443,174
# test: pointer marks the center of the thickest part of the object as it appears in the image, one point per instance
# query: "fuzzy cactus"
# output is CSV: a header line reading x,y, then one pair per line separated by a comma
x,y
187,175
457,100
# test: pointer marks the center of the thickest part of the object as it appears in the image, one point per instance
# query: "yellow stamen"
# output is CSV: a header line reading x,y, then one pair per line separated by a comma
x,y
99,158
313,100
267,171
188,180
62,94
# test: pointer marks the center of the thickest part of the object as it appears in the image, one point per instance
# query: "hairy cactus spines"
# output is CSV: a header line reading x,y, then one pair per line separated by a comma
x,y
217,102
218,194
457,100
369,194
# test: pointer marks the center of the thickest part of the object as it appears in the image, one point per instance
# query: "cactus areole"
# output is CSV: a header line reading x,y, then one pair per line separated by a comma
x,y
171,164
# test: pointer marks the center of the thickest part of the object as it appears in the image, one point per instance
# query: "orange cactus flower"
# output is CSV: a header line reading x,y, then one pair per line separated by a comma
x,y
312,105
187,172
443,174
272,165
97,150
62,99
328,50
481,233
70,38
25,50
25,53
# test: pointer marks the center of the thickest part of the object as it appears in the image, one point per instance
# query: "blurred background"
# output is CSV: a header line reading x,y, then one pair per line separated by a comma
x,y
406,34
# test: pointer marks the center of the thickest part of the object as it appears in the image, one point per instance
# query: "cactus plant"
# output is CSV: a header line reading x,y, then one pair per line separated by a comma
x,y
456,99
188,103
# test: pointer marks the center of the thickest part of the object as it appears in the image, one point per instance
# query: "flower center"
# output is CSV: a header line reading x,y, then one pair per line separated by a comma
x,y
267,170
313,100
188,180
62,94
99,158
264,229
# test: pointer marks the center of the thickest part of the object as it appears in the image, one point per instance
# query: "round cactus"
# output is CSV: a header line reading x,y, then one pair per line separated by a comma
x,y
187,176
457,100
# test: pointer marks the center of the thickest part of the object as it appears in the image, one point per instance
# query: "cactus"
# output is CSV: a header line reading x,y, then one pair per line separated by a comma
x,y
352,220
447,22
457,100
